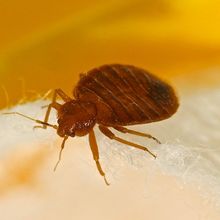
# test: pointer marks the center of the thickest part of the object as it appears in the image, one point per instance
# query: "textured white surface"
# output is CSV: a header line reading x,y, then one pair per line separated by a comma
x,y
184,178
16,129
191,143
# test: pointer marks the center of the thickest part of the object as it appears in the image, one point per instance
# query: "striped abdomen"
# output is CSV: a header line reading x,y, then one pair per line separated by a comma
x,y
126,95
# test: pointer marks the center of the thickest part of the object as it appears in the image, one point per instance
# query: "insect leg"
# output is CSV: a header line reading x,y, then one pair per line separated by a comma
x,y
95,152
62,95
110,135
125,130
55,104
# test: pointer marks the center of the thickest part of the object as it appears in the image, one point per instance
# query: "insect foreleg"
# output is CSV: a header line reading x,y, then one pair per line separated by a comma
x,y
55,104
95,152
125,130
110,135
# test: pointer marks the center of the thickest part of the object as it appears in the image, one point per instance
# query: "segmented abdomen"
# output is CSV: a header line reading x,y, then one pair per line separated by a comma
x,y
126,95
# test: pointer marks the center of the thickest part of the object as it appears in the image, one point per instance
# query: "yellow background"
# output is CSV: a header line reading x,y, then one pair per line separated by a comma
x,y
46,44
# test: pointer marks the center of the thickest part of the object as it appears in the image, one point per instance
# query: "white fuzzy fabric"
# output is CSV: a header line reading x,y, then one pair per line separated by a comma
x,y
190,149
16,129
191,144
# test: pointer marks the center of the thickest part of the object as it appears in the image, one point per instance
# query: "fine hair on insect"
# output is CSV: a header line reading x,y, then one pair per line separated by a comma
x,y
112,96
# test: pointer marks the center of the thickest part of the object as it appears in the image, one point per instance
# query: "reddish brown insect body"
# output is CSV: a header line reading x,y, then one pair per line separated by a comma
x,y
112,96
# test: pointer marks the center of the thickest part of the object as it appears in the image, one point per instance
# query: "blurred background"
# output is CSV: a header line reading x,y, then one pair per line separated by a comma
x,y
46,44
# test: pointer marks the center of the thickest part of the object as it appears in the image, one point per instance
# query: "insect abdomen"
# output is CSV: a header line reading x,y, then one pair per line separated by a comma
x,y
126,95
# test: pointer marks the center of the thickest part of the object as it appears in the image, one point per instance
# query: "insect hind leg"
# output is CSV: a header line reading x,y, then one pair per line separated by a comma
x,y
111,135
125,130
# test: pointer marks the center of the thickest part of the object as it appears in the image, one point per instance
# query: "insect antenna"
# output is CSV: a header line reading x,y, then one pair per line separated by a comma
x,y
60,154
32,119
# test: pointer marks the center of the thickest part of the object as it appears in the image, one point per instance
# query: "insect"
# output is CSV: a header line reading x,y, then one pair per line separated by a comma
x,y
112,96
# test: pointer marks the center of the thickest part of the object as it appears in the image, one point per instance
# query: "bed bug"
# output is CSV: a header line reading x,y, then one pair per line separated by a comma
x,y
112,96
